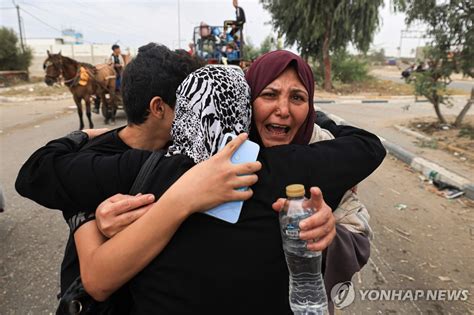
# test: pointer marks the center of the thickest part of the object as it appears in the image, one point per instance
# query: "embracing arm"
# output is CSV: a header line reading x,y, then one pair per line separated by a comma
x,y
108,264
37,179
59,176
334,165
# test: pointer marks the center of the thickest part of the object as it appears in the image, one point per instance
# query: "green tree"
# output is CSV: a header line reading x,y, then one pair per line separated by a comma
x,y
450,27
11,56
319,27
250,52
378,56
349,69
267,45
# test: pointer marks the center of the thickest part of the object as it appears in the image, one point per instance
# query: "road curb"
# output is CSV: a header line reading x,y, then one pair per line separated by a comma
x,y
422,165
369,101
412,133
404,99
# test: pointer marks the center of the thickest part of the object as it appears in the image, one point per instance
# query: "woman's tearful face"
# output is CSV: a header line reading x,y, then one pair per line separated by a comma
x,y
280,109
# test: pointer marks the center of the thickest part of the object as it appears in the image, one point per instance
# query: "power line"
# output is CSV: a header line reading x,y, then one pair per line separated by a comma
x,y
40,20
34,6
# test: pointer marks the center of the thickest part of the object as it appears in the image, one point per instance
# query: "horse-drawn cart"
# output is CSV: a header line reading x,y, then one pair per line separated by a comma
x,y
85,81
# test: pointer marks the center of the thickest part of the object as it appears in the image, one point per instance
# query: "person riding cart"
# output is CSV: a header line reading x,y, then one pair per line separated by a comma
x,y
118,63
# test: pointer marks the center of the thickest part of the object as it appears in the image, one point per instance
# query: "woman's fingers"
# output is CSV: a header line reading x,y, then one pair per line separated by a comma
x,y
318,232
319,218
244,181
316,201
238,195
232,146
322,243
247,168
279,204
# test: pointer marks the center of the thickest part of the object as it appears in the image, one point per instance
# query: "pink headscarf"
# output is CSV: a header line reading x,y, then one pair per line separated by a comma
x,y
266,69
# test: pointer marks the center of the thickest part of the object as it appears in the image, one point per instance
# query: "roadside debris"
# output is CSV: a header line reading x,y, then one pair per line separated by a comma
x,y
395,191
400,233
444,189
444,279
400,206
407,277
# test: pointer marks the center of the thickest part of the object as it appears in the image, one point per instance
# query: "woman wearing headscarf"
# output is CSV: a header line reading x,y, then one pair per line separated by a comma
x,y
211,266
282,86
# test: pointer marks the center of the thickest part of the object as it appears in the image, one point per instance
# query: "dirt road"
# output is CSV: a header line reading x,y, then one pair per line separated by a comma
x,y
427,245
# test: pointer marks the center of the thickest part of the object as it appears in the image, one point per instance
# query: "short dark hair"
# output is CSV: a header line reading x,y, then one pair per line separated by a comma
x,y
115,46
155,71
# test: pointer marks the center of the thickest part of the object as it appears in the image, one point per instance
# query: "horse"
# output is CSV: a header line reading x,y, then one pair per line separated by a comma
x,y
83,80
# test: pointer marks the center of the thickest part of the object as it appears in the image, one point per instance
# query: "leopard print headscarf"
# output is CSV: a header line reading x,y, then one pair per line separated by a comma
x,y
211,102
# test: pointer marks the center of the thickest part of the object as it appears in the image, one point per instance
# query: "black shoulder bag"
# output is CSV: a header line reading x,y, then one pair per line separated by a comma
x,y
75,299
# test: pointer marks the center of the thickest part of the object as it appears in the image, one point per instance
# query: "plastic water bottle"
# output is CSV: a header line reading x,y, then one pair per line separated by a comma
x,y
307,293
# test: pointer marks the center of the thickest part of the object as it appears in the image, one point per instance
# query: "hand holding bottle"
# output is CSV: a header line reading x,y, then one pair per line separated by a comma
x,y
320,226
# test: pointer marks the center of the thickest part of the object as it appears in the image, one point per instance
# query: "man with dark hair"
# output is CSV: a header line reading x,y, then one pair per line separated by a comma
x,y
149,88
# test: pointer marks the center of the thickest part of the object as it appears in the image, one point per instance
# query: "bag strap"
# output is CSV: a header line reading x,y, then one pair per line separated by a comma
x,y
143,176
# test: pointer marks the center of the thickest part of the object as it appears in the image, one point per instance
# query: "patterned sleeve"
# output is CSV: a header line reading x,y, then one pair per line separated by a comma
x,y
80,218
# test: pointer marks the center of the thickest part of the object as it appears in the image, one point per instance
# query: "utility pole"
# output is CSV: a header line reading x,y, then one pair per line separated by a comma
x,y
19,26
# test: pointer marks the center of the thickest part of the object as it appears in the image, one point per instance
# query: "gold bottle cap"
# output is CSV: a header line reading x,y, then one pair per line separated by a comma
x,y
295,190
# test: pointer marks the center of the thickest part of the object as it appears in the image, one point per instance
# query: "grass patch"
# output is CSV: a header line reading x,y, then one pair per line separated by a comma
x,y
466,131
373,86
458,141
432,144
378,87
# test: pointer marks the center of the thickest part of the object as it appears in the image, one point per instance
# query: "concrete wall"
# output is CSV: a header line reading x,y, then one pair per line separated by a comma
x,y
93,54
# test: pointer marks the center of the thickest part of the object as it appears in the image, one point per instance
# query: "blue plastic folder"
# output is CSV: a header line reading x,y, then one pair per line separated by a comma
x,y
247,152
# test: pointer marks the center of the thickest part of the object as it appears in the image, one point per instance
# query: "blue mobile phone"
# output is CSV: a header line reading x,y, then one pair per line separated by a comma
x,y
247,152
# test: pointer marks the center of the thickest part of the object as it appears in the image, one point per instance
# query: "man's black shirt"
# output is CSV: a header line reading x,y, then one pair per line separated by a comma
x,y
109,143
39,181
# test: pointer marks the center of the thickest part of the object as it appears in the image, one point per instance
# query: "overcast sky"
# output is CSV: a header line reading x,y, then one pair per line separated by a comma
x,y
137,22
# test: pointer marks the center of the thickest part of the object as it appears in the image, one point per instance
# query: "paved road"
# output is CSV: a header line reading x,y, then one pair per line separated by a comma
x,y
431,237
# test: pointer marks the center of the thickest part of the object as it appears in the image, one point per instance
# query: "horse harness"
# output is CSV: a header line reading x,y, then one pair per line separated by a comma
x,y
77,78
